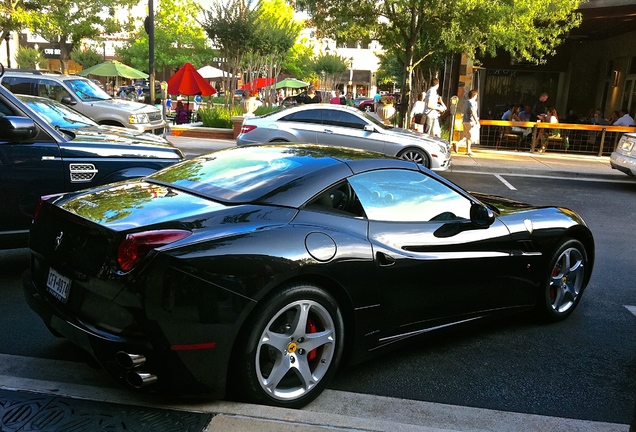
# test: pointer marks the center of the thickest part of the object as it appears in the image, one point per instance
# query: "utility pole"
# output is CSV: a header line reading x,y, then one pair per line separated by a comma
x,y
151,49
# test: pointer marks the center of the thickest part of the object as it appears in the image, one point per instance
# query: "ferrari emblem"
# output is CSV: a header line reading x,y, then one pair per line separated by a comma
x,y
58,240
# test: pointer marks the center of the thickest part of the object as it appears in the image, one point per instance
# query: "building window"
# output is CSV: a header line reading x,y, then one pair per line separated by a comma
x,y
632,66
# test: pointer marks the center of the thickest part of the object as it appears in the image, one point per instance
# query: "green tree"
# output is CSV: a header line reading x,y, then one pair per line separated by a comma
x,y
298,62
329,67
87,58
29,58
254,38
414,30
230,27
67,23
179,38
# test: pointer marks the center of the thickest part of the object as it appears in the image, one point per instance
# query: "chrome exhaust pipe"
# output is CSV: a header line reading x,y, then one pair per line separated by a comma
x,y
140,379
129,361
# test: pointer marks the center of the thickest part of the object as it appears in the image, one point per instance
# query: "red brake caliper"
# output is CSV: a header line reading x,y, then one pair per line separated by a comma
x,y
311,328
555,272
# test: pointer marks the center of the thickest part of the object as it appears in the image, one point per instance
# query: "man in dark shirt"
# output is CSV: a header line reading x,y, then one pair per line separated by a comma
x,y
539,108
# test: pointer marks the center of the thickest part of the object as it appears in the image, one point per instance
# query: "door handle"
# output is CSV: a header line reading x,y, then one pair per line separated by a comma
x,y
329,131
384,260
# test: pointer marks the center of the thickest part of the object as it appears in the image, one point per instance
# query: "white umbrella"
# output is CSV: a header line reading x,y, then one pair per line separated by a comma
x,y
210,72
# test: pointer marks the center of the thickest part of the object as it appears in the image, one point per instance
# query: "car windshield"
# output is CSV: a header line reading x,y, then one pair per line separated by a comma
x,y
241,175
57,114
87,90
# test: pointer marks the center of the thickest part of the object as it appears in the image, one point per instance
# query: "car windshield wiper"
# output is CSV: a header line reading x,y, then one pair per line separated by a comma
x,y
70,120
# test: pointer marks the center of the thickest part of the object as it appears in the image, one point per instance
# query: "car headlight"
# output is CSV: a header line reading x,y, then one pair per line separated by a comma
x,y
443,148
138,118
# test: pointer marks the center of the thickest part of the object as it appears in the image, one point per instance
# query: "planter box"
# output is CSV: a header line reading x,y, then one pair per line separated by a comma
x,y
202,132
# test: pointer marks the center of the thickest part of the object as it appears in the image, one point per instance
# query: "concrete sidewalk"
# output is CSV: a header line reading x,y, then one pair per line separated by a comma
x,y
482,160
27,379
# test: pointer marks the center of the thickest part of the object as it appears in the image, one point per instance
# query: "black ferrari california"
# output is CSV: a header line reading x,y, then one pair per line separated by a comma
x,y
254,272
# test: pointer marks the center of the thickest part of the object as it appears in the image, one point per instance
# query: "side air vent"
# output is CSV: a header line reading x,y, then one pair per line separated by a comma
x,y
82,172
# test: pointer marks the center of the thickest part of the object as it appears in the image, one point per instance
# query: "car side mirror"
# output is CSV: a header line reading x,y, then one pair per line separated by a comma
x,y
67,100
14,128
369,128
481,216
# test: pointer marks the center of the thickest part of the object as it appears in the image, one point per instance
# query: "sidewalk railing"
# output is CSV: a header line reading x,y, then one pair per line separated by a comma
x,y
560,137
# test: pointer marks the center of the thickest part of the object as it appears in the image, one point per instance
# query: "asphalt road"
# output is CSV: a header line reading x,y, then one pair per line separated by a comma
x,y
582,368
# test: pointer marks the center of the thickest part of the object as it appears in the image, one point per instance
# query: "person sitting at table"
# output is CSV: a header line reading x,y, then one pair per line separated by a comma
x,y
625,119
553,118
615,116
181,114
526,114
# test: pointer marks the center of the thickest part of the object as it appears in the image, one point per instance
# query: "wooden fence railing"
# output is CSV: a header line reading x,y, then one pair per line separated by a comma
x,y
561,137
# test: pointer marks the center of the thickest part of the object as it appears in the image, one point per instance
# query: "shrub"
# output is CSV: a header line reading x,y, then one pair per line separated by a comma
x,y
219,116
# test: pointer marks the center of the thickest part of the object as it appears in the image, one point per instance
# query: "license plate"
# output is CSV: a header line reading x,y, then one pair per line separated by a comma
x,y
58,285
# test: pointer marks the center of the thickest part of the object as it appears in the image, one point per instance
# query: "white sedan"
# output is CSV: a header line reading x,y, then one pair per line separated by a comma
x,y
624,157
340,125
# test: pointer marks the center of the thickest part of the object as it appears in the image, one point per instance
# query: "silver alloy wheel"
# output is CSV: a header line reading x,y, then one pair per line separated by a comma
x,y
295,350
566,280
416,156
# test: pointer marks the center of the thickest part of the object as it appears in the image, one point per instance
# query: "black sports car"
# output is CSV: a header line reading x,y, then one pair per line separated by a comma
x,y
257,270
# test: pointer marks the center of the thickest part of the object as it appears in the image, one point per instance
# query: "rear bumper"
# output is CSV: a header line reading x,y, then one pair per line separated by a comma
x,y
623,163
172,369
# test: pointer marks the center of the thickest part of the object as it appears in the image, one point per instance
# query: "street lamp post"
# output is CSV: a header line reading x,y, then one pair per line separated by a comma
x,y
324,87
7,38
351,75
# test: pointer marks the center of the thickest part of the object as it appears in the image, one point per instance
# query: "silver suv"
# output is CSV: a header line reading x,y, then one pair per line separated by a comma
x,y
86,97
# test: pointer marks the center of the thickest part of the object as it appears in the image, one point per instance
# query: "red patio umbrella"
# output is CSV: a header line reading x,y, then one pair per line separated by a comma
x,y
258,83
187,81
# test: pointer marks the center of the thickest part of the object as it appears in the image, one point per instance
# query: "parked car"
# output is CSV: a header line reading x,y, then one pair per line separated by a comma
x,y
259,270
48,147
364,103
84,96
624,157
300,98
348,127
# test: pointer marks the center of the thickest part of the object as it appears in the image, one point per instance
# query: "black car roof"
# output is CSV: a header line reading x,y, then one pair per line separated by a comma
x,y
285,174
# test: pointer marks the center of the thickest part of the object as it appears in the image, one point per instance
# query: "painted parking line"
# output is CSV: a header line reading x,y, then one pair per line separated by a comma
x,y
508,185
632,309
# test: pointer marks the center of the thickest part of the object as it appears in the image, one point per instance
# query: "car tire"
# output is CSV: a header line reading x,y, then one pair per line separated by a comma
x,y
292,348
565,281
415,155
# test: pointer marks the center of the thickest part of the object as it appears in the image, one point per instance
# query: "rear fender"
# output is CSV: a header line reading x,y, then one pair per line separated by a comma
x,y
128,173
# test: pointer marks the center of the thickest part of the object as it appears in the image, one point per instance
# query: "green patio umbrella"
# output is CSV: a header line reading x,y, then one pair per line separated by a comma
x,y
113,68
291,83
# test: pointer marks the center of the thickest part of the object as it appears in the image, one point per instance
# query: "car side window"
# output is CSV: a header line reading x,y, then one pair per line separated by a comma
x,y
20,85
342,119
308,116
4,109
53,90
408,196
339,198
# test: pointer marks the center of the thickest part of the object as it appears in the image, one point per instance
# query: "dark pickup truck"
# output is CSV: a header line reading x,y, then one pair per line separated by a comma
x,y
38,158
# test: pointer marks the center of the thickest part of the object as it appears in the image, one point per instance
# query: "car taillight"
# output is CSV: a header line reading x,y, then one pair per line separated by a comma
x,y
40,204
247,128
136,246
